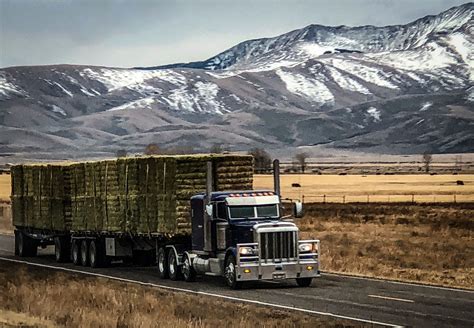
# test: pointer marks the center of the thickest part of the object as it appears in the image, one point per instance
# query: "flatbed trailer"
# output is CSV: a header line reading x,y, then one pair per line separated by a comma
x,y
238,234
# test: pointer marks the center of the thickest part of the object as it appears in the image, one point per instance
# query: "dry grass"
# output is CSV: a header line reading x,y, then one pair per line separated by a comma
x,y
381,188
72,300
5,187
422,243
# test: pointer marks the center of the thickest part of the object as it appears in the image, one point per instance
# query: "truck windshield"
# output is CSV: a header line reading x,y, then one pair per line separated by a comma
x,y
253,212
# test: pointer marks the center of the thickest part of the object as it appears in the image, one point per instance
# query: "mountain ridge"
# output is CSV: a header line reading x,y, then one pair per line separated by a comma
x,y
307,89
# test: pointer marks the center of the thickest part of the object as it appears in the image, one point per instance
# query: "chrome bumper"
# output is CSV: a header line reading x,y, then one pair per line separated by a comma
x,y
253,267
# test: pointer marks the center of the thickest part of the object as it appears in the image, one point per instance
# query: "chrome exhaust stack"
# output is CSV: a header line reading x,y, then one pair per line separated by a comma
x,y
208,209
276,176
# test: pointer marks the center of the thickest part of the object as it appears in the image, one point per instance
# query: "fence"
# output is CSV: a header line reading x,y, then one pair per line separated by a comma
x,y
382,198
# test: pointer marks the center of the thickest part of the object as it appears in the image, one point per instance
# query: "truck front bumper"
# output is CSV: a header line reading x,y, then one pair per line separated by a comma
x,y
252,267
277,271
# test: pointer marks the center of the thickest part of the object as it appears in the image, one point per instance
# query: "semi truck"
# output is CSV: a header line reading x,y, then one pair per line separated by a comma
x,y
240,235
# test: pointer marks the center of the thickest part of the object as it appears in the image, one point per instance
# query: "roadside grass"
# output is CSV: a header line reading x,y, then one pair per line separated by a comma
x,y
430,243
73,300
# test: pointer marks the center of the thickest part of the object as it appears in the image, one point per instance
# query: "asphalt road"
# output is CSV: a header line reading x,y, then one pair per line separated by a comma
x,y
369,300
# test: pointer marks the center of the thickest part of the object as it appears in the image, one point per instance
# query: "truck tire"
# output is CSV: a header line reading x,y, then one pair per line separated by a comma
x,y
230,275
173,267
76,252
26,246
62,248
84,252
96,254
189,274
162,263
304,282
16,242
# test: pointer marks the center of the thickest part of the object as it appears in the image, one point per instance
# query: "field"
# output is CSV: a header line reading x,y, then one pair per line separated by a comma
x,y
5,187
373,188
428,243
423,242
36,297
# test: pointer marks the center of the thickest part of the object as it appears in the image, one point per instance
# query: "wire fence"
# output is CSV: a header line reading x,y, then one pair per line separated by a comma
x,y
382,198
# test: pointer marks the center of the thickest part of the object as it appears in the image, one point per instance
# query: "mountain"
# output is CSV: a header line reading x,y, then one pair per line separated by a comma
x,y
394,89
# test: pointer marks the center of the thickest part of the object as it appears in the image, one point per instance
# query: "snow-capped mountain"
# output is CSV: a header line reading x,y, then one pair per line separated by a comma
x,y
404,88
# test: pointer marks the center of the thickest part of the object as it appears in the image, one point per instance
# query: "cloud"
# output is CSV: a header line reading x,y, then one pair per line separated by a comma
x,y
145,32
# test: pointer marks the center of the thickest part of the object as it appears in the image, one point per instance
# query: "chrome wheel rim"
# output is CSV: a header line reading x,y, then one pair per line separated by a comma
x,y
186,267
161,260
230,273
171,266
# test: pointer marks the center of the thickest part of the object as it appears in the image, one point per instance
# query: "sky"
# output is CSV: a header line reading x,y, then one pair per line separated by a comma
x,y
120,33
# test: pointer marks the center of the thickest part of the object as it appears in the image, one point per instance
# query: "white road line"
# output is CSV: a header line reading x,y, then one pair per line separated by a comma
x,y
368,278
231,298
323,273
392,298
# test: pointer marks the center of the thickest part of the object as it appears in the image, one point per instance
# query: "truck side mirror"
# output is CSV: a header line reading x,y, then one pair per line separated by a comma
x,y
209,210
298,209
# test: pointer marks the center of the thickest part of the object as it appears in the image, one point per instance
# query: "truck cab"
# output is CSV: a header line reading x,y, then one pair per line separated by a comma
x,y
246,239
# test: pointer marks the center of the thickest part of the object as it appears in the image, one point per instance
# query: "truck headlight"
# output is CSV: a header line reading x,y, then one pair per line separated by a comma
x,y
247,251
305,248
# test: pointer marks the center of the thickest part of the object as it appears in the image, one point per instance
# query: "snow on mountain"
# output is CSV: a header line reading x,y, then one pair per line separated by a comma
x,y
389,88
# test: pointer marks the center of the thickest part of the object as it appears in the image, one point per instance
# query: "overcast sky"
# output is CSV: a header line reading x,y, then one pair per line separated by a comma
x,y
147,33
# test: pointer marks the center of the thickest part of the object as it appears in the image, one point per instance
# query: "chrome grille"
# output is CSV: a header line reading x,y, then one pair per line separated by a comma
x,y
278,246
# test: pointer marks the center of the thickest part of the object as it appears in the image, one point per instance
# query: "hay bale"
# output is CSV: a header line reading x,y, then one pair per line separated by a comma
x,y
146,194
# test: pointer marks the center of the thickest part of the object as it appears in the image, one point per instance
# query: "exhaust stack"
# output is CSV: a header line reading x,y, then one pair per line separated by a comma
x,y
276,176
207,217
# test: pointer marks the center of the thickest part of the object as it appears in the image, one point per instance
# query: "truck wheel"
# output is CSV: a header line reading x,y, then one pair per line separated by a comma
x,y
162,261
96,254
173,267
304,282
75,252
26,245
230,274
189,273
16,242
62,248
84,252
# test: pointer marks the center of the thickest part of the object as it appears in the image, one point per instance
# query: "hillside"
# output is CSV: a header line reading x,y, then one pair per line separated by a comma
x,y
393,89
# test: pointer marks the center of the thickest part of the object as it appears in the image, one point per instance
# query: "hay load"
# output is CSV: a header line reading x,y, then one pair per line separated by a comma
x,y
143,195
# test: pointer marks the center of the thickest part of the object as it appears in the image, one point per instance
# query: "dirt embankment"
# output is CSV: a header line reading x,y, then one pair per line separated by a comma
x,y
43,298
430,243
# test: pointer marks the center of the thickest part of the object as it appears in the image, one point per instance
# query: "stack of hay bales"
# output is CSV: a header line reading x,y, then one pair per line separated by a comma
x,y
129,195
40,197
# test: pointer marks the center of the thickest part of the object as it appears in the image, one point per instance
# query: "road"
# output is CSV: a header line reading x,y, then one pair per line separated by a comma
x,y
370,301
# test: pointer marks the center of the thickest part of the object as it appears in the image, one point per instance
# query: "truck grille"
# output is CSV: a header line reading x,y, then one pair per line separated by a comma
x,y
278,246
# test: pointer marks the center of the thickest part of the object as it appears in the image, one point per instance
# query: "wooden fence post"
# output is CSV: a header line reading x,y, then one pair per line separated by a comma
x,y
324,199
344,199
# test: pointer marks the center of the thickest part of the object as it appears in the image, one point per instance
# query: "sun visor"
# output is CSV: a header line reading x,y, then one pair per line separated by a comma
x,y
252,200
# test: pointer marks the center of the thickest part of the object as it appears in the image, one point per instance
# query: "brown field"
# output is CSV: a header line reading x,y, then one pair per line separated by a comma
x,y
373,188
429,243
38,297
5,187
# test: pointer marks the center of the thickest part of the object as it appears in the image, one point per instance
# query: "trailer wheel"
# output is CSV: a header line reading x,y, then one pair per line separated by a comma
x,y
173,267
189,273
84,252
96,254
75,252
230,274
162,261
304,282
26,246
62,248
